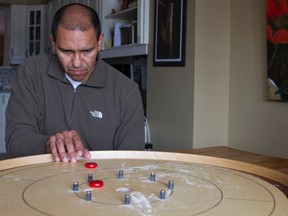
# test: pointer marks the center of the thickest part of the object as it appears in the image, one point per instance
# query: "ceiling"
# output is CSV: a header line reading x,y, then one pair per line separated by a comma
x,y
24,2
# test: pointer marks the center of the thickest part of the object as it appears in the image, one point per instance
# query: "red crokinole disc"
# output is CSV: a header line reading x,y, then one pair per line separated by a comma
x,y
91,165
96,183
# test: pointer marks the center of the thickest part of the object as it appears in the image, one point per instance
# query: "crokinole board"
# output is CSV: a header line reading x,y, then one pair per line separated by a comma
x,y
202,186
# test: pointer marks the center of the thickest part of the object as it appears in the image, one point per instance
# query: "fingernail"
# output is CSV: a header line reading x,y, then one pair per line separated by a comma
x,y
79,153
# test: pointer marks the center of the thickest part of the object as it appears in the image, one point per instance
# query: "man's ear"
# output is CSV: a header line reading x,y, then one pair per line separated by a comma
x,y
51,38
100,41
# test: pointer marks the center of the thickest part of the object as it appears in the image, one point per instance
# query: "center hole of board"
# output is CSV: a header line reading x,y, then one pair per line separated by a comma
x,y
123,190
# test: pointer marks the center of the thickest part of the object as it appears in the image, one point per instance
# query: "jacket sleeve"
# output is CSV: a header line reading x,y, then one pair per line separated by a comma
x,y
23,116
130,134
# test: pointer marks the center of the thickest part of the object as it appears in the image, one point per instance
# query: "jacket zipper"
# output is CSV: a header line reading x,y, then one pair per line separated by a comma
x,y
73,102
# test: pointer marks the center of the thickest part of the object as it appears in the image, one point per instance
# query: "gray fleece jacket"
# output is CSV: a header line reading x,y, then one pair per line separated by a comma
x,y
107,111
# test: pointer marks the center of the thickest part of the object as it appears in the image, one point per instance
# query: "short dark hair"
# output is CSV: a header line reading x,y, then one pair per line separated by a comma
x,y
90,14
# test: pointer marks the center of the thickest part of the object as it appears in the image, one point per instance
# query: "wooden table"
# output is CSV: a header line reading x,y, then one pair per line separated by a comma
x,y
270,162
275,163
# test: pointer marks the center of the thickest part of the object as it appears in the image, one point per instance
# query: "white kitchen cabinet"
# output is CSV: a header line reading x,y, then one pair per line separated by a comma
x,y
35,27
4,97
25,32
17,27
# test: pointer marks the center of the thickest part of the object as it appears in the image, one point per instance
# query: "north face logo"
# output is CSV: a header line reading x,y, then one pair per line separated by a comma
x,y
96,114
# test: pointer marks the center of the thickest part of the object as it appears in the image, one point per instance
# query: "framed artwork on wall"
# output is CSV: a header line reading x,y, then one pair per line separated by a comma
x,y
169,32
277,49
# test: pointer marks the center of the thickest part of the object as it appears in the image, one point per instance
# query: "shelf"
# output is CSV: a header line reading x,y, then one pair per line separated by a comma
x,y
129,13
125,51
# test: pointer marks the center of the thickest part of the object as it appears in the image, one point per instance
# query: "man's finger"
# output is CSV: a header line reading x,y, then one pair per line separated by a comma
x,y
52,148
86,154
60,145
79,147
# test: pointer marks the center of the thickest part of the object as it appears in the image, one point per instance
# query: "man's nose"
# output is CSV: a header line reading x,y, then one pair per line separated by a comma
x,y
76,61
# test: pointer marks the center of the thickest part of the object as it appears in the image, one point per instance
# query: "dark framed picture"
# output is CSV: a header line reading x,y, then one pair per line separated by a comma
x,y
169,32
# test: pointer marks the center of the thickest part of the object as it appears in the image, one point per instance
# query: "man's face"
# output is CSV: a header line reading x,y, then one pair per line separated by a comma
x,y
77,52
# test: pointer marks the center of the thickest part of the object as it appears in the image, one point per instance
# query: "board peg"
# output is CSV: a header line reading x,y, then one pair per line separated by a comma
x,y
88,196
127,199
162,194
75,186
171,184
90,177
152,176
120,174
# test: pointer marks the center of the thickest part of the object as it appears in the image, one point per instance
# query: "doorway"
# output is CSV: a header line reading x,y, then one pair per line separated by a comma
x,y
2,35
4,12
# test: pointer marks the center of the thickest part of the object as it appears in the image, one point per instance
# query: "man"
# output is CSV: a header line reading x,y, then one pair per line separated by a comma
x,y
71,102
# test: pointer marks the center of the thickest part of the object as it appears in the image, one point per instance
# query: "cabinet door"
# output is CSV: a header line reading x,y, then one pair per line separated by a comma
x,y
4,97
36,26
18,38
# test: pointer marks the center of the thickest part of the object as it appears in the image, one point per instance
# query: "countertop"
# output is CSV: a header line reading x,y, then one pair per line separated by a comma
x,y
6,77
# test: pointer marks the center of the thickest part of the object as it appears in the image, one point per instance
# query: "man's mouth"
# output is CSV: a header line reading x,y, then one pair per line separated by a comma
x,y
77,72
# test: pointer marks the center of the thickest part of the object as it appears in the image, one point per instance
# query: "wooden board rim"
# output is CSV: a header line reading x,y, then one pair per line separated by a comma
x,y
156,155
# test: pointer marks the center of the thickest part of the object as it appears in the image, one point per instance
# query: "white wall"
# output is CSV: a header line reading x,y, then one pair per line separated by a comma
x,y
170,95
188,106
219,98
211,84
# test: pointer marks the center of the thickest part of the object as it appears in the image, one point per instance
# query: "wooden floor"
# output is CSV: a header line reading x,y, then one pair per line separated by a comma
x,y
275,163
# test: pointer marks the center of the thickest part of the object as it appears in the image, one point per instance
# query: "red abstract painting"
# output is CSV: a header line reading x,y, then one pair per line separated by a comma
x,y
277,49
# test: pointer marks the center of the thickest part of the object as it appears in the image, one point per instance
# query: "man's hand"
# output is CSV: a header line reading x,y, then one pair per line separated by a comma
x,y
66,146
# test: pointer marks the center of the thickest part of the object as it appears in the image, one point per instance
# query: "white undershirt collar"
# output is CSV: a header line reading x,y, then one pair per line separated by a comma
x,y
73,82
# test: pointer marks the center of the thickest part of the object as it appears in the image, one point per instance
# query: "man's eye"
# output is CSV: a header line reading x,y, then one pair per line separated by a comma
x,y
86,51
67,51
